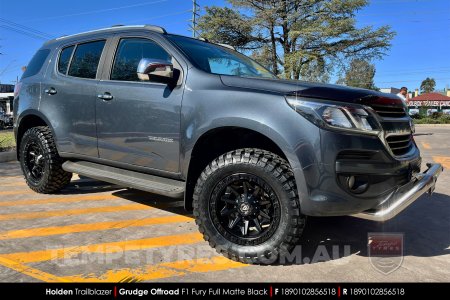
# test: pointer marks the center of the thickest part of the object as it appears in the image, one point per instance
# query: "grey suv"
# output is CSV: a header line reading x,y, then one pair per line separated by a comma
x,y
252,154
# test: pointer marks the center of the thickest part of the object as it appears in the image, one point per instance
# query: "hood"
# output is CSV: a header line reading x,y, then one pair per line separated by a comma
x,y
309,89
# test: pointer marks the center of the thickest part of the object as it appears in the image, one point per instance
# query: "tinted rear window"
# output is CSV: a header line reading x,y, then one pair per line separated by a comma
x,y
36,63
85,60
64,59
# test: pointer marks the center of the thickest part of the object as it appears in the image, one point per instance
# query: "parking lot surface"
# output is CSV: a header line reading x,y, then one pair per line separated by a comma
x,y
97,232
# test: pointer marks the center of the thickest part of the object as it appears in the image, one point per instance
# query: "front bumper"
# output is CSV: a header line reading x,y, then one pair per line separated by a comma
x,y
405,195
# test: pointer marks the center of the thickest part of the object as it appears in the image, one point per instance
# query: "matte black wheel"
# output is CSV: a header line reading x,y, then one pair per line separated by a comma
x,y
246,205
40,162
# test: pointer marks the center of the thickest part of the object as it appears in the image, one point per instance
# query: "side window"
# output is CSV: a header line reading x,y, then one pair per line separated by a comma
x,y
36,63
129,52
64,59
85,59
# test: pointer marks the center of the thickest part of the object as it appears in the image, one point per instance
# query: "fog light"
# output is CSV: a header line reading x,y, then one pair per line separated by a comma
x,y
357,184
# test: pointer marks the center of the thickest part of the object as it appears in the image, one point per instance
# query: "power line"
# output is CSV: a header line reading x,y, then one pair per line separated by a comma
x,y
98,11
161,16
29,34
26,28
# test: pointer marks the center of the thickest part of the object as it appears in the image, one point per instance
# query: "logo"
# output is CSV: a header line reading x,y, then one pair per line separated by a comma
x,y
160,139
385,251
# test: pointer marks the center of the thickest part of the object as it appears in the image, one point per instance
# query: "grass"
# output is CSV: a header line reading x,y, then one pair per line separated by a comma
x,y
7,141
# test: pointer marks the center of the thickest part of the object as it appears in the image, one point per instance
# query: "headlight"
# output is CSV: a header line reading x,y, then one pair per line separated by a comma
x,y
335,115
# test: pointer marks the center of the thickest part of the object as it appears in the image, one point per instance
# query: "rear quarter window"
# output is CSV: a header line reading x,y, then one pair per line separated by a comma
x,y
36,63
64,59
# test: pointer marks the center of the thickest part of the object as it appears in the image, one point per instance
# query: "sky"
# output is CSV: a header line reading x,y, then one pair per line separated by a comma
x,y
420,49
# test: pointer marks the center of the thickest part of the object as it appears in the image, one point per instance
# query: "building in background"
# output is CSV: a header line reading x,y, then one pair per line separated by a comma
x,y
430,102
6,98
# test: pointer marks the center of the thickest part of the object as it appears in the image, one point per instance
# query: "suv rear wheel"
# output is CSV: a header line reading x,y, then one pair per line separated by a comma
x,y
246,206
40,162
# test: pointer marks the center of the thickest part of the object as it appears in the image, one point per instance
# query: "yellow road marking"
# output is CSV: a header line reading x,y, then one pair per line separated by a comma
x,y
158,271
9,193
111,247
71,212
55,230
426,145
18,183
215,263
444,160
67,199
35,273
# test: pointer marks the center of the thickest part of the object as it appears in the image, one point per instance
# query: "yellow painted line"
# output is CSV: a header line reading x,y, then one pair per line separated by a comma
x,y
111,247
32,272
158,271
55,230
426,145
66,199
9,193
444,160
202,265
71,212
127,274
18,183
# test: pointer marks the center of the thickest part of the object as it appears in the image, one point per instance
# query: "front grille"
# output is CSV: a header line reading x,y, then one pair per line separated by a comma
x,y
399,144
389,111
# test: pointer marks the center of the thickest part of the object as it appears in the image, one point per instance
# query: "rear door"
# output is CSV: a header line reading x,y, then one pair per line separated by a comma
x,y
69,96
140,123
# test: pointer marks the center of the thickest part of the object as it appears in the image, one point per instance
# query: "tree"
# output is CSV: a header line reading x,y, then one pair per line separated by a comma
x,y
428,85
303,38
360,74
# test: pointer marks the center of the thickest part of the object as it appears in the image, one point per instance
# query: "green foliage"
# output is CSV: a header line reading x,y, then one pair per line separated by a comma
x,y
427,120
434,118
360,74
428,85
304,39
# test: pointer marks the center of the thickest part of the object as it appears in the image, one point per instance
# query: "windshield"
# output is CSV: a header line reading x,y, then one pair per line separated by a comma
x,y
220,60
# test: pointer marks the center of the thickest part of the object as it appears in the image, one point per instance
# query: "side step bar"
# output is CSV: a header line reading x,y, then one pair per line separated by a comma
x,y
149,183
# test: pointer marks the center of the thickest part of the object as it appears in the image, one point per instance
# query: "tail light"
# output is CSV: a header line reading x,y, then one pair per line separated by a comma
x,y
17,89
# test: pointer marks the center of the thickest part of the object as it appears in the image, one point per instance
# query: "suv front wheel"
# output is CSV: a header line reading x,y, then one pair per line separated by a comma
x,y
246,206
40,162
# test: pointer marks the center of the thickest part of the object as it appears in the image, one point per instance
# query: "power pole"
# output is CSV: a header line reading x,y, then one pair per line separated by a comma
x,y
195,15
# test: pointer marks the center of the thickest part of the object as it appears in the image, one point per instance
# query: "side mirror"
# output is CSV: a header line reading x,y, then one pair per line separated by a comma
x,y
155,70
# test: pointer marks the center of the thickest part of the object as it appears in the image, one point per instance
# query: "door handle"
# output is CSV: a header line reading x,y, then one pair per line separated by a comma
x,y
106,96
50,91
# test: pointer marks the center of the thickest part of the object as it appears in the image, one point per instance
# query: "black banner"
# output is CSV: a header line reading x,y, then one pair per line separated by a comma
x,y
265,290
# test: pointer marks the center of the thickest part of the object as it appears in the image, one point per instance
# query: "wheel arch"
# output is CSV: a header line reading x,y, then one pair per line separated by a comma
x,y
27,120
211,143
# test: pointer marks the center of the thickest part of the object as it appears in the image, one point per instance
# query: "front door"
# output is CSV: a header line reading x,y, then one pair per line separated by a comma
x,y
138,122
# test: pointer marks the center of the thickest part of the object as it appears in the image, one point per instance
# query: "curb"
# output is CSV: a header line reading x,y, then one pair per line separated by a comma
x,y
7,156
432,125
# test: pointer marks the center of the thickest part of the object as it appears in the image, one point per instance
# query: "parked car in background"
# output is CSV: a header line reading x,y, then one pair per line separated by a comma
x,y
431,111
413,111
6,120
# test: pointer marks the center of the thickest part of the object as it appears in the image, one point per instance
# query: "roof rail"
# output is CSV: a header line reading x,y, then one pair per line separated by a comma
x,y
155,28
149,27
223,45
227,46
